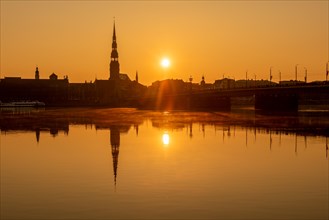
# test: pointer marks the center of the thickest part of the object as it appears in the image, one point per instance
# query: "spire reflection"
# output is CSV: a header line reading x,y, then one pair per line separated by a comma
x,y
115,145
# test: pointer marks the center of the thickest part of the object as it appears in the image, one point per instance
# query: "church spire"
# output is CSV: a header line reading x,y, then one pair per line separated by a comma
x,y
114,38
114,35
114,64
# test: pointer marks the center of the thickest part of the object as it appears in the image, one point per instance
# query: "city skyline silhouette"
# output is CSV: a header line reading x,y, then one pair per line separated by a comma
x,y
263,40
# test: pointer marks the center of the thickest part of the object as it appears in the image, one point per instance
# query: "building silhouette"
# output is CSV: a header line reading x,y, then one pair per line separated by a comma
x,y
119,90
114,63
52,91
116,91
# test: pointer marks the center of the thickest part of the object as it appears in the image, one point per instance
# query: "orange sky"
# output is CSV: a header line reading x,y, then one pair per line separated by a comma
x,y
212,38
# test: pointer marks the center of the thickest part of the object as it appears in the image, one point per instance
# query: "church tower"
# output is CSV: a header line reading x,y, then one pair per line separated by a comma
x,y
114,64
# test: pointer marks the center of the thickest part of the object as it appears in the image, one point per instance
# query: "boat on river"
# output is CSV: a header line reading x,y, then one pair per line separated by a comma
x,y
35,104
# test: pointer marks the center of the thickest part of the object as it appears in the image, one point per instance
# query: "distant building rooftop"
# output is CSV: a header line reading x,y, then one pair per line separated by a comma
x,y
12,78
124,76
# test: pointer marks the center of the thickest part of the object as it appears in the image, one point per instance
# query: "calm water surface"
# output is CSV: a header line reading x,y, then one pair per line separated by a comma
x,y
129,164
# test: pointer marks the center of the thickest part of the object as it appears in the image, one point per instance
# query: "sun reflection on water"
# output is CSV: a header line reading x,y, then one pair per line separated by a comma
x,y
165,139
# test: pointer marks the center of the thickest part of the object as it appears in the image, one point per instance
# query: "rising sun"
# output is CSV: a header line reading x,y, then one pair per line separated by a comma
x,y
165,62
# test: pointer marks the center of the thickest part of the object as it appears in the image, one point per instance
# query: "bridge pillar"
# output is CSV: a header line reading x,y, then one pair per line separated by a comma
x,y
276,102
165,102
213,102
187,102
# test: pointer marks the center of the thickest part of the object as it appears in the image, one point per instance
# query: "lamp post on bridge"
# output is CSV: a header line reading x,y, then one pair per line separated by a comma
x,y
327,71
271,74
305,74
296,72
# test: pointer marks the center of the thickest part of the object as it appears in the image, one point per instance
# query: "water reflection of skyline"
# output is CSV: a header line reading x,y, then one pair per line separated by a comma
x,y
118,123
124,157
56,121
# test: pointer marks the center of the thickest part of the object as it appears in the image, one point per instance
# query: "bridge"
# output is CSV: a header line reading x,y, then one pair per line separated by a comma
x,y
274,98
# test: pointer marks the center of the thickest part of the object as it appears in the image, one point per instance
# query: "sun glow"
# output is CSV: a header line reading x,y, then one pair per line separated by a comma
x,y
165,139
165,62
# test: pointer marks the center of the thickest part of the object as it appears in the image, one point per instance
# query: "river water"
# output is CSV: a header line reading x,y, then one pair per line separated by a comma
x,y
85,163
